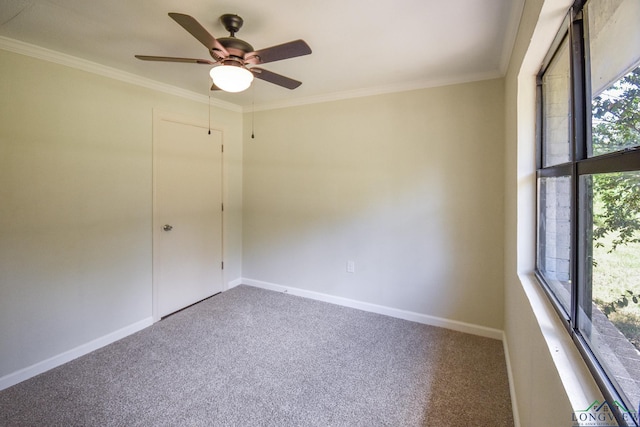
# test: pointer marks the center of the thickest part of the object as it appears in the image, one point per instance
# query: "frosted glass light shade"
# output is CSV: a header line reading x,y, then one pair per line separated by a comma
x,y
231,78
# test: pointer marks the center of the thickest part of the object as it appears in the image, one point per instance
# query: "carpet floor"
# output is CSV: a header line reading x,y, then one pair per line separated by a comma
x,y
251,357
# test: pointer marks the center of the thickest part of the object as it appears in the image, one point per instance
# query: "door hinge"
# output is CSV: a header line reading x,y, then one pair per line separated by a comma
x,y
222,265
222,148
222,206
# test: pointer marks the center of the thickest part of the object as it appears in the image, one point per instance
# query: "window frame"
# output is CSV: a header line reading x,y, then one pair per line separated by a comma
x,y
580,164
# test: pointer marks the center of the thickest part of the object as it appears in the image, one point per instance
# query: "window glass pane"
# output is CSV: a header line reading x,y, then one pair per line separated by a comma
x,y
554,236
556,109
609,315
616,116
614,46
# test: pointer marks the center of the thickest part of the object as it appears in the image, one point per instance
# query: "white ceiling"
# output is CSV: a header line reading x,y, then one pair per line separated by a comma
x,y
359,46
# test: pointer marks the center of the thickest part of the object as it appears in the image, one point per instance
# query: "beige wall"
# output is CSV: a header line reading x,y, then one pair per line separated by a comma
x,y
76,205
407,185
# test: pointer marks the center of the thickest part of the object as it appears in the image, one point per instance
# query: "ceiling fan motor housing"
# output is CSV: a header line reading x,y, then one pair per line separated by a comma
x,y
235,46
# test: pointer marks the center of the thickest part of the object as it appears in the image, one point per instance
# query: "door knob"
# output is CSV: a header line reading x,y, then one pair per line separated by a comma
x,y
167,227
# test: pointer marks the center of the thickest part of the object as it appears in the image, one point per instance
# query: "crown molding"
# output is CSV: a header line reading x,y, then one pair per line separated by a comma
x,y
372,91
49,55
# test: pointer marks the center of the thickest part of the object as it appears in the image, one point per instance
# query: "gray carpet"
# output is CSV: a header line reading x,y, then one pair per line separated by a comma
x,y
251,357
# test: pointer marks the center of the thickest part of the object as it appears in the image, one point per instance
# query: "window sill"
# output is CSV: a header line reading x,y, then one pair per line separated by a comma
x,y
578,382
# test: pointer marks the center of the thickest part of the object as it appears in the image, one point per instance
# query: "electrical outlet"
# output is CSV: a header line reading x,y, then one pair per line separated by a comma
x,y
351,267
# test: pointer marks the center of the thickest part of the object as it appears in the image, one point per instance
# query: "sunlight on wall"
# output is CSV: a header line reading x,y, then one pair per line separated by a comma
x,y
406,185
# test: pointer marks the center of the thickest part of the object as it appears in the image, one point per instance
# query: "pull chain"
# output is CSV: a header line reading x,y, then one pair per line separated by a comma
x,y
253,110
209,111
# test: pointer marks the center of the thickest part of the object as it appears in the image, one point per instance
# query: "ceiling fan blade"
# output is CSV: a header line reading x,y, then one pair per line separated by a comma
x,y
190,24
274,78
279,52
172,59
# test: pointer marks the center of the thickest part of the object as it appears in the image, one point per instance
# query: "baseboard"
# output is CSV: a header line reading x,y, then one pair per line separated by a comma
x,y
60,359
388,311
234,283
512,387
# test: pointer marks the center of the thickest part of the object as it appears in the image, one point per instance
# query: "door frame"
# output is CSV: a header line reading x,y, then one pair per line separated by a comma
x,y
158,117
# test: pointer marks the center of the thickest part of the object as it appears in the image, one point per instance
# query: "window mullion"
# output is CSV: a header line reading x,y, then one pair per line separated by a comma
x,y
578,110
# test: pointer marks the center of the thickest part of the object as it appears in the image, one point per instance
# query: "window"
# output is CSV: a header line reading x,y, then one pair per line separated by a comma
x,y
554,237
588,255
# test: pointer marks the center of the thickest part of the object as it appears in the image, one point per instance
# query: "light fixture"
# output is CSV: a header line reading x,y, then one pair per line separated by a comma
x,y
231,78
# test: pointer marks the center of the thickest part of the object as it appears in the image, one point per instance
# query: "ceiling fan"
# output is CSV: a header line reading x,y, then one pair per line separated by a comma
x,y
234,59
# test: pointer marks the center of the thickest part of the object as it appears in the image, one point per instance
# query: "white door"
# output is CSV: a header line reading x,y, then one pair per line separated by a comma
x,y
187,220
